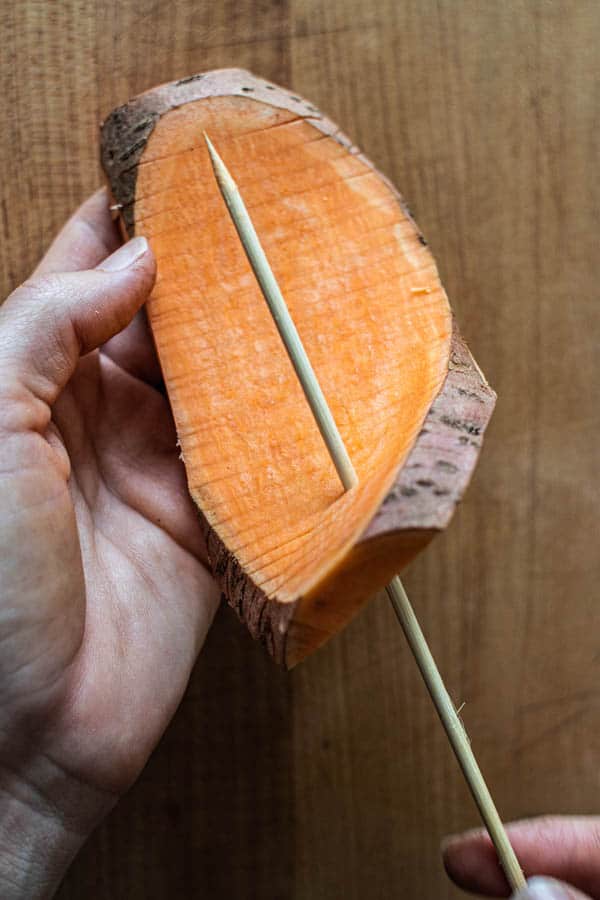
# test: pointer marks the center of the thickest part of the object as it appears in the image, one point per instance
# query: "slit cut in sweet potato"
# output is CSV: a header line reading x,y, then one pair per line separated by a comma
x,y
295,555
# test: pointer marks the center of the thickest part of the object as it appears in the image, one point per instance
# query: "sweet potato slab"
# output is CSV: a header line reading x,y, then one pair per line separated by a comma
x,y
294,554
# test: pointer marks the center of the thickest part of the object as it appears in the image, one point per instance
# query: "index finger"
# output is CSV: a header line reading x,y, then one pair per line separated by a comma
x,y
85,240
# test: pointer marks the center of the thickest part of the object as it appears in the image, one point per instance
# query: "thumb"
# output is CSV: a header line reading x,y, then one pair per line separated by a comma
x,y
50,321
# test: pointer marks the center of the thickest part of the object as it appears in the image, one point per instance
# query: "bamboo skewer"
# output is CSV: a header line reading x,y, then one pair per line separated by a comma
x,y
450,719
457,735
283,320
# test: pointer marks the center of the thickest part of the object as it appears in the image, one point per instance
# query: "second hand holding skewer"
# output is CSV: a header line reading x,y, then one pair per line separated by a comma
x,y
445,708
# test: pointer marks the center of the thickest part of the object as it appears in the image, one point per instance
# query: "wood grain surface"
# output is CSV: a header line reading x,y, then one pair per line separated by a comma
x,y
335,780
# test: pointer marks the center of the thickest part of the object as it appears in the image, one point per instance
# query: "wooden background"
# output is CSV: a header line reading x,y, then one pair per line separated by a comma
x,y
336,781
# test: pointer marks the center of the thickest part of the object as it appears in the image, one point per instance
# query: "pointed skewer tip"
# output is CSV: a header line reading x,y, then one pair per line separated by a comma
x,y
222,173
214,156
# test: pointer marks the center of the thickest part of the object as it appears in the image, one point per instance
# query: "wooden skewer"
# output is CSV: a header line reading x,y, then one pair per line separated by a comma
x,y
457,735
445,708
283,320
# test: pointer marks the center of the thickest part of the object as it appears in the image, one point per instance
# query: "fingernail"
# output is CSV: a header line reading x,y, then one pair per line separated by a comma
x,y
544,889
125,256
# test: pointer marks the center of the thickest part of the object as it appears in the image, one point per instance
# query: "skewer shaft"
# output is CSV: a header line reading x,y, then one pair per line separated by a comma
x,y
456,732
283,320
339,455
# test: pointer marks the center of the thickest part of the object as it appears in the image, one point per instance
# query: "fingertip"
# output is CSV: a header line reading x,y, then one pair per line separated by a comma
x,y
125,280
137,250
94,206
132,266
471,862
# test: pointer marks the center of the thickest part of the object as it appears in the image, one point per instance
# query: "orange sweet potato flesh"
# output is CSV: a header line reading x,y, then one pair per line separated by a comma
x,y
295,554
